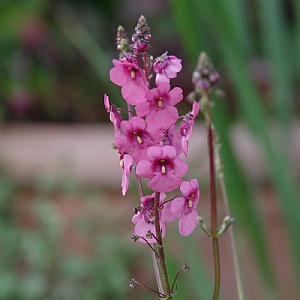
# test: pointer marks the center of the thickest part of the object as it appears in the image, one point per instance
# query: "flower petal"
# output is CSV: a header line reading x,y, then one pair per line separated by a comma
x,y
188,222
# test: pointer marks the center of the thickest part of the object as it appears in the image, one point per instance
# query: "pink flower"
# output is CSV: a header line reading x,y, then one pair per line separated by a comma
x,y
114,115
131,78
185,208
159,109
144,219
126,165
137,139
166,67
186,127
163,167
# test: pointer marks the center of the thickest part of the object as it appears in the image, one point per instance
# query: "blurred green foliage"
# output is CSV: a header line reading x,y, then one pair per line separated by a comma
x,y
43,255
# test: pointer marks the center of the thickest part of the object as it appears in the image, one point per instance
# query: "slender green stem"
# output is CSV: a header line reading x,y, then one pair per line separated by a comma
x,y
156,271
239,285
162,260
213,204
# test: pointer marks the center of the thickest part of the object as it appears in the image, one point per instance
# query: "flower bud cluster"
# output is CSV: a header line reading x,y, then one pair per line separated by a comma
x,y
205,76
149,139
141,37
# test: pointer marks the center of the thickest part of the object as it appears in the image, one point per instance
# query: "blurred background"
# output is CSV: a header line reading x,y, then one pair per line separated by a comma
x,y
64,226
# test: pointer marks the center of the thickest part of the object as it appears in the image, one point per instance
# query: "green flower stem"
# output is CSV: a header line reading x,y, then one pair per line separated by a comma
x,y
239,285
213,202
156,271
162,260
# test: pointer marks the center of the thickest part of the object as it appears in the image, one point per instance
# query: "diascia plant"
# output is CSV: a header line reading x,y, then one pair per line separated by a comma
x,y
151,141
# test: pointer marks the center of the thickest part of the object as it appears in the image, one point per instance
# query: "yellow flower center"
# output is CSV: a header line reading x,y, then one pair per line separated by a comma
x,y
121,163
132,74
159,102
139,139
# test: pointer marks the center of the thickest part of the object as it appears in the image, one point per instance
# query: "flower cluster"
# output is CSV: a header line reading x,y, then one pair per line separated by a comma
x,y
150,140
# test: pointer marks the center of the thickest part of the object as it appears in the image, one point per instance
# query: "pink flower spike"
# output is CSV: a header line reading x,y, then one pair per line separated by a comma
x,y
163,167
185,208
132,80
166,67
126,165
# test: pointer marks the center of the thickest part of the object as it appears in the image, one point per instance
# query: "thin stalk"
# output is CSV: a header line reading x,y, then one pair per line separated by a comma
x,y
213,203
237,273
162,260
157,273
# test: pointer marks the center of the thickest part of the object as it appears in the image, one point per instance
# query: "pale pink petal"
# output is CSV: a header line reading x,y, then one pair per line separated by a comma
x,y
164,183
142,109
180,167
177,207
134,94
106,102
184,145
152,94
187,223
154,152
162,118
118,76
164,88
166,213
173,68
138,123
142,228
137,218
161,78
127,165
175,95
196,109
144,169
169,152
185,188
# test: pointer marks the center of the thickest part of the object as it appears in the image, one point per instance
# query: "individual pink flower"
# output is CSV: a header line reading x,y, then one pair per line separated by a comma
x,y
166,67
126,165
137,139
186,127
159,109
114,115
144,218
163,167
185,208
132,80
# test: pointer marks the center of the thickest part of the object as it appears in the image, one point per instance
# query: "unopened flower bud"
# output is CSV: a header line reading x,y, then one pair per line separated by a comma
x,y
203,84
196,76
122,40
220,93
134,237
133,283
185,267
141,36
204,64
214,77
140,46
